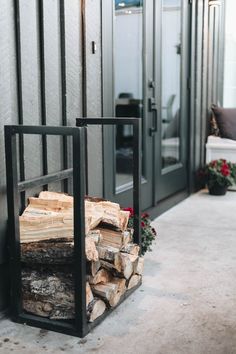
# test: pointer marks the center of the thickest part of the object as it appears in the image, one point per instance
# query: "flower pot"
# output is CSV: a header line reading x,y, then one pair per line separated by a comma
x,y
216,189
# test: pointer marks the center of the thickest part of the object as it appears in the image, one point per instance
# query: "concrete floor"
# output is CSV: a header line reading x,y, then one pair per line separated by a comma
x,y
187,303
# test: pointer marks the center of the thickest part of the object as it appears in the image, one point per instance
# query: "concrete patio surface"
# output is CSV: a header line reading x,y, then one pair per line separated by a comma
x,y
187,303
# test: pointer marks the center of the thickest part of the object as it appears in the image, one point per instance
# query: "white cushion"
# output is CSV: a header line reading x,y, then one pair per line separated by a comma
x,y
220,148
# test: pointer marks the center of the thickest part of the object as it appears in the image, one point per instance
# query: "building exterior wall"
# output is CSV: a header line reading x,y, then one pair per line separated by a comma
x,y
92,17
207,36
230,55
50,74
44,46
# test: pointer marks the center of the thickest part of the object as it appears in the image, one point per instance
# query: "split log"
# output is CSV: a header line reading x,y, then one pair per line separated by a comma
x,y
138,269
112,214
94,212
114,300
102,276
124,219
121,282
53,205
109,266
127,236
114,238
96,235
105,291
111,292
56,196
111,238
131,248
51,216
44,227
110,254
134,280
89,294
47,218
114,260
93,267
90,249
128,263
95,309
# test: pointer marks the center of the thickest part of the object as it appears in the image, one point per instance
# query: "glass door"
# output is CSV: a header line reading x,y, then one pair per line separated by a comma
x,y
171,63
145,71
129,95
128,83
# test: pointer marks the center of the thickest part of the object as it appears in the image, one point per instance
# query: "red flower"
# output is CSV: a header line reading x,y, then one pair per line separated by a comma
x,y
145,215
225,171
142,224
131,210
213,163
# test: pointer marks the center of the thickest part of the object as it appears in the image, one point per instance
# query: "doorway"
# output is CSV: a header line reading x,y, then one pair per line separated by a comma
x,y
145,75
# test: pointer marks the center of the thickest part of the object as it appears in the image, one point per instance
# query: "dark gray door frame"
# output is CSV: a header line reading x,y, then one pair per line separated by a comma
x,y
110,191
201,14
107,11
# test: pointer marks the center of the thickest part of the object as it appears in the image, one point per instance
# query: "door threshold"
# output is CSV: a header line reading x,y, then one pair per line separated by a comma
x,y
167,203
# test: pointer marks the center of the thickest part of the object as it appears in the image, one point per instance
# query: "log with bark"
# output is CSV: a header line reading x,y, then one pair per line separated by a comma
x,y
58,251
51,295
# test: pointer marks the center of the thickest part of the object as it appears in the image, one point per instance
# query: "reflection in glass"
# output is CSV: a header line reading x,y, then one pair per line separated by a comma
x,y
128,81
171,78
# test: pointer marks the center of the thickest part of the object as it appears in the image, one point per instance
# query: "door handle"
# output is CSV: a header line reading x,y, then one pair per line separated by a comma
x,y
153,108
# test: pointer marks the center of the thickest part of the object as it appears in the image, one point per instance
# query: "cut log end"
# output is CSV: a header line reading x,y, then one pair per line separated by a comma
x,y
95,309
134,281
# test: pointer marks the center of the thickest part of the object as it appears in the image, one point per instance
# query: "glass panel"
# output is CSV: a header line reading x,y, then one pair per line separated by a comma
x,y
128,81
171,79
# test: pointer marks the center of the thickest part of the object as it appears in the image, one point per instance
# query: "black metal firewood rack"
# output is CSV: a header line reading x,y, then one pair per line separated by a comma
x,y
79,326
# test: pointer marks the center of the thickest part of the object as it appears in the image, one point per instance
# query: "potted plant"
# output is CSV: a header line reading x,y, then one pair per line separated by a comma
x,y
219,175
148,233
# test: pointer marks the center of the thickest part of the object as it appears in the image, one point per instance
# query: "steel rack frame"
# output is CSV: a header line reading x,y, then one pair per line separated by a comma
x,y
79,326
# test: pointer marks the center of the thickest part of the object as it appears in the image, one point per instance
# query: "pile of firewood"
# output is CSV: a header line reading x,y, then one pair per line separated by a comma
x,y
47,254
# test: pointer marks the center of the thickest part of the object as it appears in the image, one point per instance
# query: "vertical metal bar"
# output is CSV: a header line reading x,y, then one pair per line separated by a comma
x,y
42,82
63,87
137,180
19,97
79,231
84,73
86,160
13,222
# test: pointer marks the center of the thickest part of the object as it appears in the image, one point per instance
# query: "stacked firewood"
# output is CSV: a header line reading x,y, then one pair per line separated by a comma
x,y
47,255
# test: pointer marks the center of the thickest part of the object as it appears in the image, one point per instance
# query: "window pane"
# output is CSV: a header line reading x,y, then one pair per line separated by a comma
x,y
171,79
128,78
